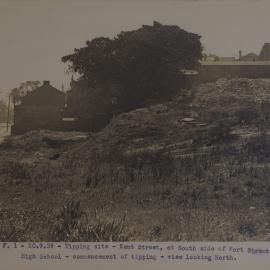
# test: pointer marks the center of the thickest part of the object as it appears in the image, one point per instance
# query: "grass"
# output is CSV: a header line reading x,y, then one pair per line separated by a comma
x,y
217,192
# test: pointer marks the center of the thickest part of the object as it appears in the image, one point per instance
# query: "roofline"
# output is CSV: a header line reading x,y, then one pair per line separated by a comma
x,y
31,92
235,63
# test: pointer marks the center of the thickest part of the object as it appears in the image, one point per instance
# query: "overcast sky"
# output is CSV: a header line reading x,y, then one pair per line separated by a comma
x,y
35,35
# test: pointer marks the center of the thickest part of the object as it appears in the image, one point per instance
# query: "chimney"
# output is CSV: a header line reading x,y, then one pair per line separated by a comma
x,y
46,82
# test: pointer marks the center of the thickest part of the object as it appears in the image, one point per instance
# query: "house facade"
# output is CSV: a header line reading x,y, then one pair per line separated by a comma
x,y
40,109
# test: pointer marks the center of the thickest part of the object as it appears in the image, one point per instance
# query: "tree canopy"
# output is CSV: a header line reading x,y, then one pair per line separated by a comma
x,y
137,65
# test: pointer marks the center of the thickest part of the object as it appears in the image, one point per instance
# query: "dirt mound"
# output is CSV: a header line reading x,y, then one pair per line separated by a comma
x,y
233,96
157,123
141,122
238,100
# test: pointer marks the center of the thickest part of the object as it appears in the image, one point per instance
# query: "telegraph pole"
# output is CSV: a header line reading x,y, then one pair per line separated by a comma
x,y
8,111
0,91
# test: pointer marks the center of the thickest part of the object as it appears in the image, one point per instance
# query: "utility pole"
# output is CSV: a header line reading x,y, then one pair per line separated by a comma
x,y
8,111
1,91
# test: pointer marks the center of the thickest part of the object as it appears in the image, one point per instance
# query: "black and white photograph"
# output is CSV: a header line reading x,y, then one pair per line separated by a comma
x,y
134,121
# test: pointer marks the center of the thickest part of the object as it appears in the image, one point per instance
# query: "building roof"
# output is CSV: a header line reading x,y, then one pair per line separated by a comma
x,y
44,95
235,63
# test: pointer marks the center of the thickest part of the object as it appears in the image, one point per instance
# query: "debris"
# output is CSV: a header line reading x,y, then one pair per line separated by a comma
x,y
188,119
55,156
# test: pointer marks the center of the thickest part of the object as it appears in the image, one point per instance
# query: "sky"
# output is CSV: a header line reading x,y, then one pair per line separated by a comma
x,y
34,35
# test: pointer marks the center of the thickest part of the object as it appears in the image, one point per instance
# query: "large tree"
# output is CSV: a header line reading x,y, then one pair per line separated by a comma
x,y
136,65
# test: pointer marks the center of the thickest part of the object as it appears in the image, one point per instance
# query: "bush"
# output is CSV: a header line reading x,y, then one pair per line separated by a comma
x,y
74,225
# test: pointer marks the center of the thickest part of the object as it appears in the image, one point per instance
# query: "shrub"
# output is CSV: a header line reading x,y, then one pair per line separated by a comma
x,y
75,225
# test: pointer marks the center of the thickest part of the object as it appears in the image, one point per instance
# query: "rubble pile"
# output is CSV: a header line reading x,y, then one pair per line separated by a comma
x,y
229,93
165,123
